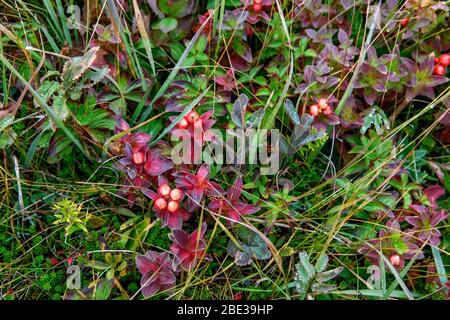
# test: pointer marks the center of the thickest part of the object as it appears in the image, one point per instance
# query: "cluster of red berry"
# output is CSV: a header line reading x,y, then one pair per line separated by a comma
x,y
192,118
138,157
441,63
322,106
169,198
257,5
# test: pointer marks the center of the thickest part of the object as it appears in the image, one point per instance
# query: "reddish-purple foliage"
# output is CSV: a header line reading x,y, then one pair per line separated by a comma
x,y
140,162
421,80
433,193
189,249
231,207
173,220
196,186
375,75
425,222
396,245
255,16
227,81
157,272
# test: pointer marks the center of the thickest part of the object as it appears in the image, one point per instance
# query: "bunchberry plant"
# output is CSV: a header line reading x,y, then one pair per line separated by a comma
x,y
123,105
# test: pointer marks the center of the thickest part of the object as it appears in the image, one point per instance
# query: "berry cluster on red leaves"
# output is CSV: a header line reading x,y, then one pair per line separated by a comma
x,y
197,186
157,272
167,204
141,162
323,114
440,64
196,128
190,119
322,107
189,248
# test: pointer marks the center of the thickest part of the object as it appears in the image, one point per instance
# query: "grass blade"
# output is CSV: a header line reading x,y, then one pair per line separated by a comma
x,y
44,105
54,18
63,18
175,70
181,115
439,265
397,277
144,35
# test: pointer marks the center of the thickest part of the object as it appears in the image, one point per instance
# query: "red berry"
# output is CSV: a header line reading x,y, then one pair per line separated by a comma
x,y
54,261
404,22
327,111
257,7
395,260
436,61
192,116
172,206
138,157
70,260
176,194
322,103
444,59
160,204
237,296
314,110
439,70
164,190
183,124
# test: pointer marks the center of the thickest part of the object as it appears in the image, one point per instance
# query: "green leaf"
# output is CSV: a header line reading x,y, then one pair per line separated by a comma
x,y
439,265
310,53
201,44
167,24
77,66
176,50
103,289
98,265
6,121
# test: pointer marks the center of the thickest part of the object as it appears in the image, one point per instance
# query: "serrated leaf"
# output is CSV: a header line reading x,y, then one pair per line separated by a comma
x,y
309,279
77,66
322,288
48,88
305,264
